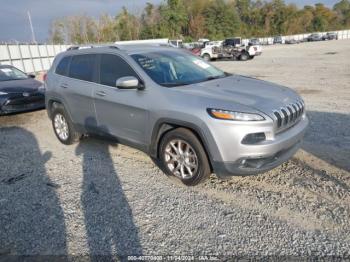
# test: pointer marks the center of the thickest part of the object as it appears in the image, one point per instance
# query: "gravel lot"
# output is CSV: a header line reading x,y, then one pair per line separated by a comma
x,y
97,198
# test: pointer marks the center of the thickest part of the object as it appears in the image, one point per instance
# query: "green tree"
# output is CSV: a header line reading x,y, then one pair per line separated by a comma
x,y
342,10
127,26
57,34
174,19
221,20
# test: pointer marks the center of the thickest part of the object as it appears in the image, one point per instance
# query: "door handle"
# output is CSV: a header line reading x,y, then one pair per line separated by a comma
x,y
64,85
101,93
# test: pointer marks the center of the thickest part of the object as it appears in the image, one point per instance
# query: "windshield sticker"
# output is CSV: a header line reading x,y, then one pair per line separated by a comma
x,y
147,63
201,63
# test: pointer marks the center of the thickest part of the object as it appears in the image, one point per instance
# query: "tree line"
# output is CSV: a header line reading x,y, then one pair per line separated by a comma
x,y
193,19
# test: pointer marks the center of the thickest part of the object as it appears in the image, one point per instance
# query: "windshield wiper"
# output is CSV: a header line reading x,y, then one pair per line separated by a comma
x,y
174,84
215,77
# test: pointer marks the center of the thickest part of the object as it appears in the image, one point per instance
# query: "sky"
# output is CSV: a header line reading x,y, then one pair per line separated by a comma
x,y
14,23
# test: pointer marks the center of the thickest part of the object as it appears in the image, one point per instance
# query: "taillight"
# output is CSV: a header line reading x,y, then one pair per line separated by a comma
x,y
44,77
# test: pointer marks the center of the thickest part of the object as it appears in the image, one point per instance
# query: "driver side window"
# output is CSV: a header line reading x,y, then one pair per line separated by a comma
x,y
113,67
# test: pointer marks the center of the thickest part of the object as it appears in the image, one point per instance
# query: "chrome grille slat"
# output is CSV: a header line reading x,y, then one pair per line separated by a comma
x,y
293,112
288,115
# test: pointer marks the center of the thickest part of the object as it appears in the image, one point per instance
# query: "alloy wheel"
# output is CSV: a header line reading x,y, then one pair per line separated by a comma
x,y
61,127
181,159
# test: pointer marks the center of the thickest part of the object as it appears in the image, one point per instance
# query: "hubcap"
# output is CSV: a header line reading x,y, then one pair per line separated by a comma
x,y
181,159
61,127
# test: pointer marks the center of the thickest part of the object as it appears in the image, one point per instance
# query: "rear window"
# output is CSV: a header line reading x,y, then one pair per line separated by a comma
x,y
82,67
62,67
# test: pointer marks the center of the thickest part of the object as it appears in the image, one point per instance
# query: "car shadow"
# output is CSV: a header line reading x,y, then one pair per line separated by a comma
x,y
108,217
31,217
328,138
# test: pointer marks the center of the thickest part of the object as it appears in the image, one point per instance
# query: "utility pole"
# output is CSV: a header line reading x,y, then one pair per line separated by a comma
x,y
31,27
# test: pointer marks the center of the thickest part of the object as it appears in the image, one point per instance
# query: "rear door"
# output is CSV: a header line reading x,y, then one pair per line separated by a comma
x,y
120,112
78,89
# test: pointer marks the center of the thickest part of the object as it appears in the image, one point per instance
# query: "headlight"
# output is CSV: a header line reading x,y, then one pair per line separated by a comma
x,y
235,116
41,88
3,93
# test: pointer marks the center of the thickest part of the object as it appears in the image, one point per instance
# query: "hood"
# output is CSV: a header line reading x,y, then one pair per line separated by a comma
x,y
19,86
256,94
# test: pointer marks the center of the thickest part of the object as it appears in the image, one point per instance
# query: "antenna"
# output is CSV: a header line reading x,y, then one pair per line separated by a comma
x,y
31,27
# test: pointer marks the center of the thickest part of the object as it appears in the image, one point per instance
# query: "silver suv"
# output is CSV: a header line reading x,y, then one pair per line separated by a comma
x,y
193,118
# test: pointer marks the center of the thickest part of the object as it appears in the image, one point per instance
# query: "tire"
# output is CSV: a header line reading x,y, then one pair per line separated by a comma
x,y
61,123
206,57
234,58
193,157
251,57
244,56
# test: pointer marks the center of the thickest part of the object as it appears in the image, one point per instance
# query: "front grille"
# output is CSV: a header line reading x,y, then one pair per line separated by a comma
x,y
288,115
21,100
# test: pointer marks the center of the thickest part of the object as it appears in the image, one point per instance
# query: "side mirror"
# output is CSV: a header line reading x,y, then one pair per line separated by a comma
x,y
31,75
128,82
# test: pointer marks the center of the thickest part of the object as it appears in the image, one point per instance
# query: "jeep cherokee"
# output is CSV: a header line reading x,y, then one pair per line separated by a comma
x,y
193,118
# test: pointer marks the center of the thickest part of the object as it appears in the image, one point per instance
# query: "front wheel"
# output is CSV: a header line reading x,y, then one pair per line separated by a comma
x,y
183,156
206,57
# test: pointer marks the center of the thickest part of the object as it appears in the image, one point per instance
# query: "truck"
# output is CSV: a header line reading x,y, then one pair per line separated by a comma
x,y
234,48
231,48
211,50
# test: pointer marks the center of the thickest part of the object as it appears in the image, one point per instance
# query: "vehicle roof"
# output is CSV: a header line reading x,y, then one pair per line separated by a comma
x,y
6,66
127,49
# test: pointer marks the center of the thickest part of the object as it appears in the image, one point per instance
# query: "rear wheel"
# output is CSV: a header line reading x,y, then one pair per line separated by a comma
x,y
183,156
244,56
63,126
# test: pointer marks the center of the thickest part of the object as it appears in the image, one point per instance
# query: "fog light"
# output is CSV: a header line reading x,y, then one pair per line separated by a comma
x,y
253,138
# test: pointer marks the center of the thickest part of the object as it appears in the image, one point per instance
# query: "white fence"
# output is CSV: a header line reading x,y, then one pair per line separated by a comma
x,y
29,57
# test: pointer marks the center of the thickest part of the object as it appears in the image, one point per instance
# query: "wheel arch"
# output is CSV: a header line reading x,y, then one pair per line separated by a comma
x,y
51,104
163,126
206,54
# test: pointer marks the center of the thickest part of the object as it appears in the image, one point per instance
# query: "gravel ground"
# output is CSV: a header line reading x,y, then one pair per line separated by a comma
x,y
97,198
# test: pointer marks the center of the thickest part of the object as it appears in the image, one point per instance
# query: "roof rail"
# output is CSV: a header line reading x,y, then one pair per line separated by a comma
x,y
90,46
72,48
114,46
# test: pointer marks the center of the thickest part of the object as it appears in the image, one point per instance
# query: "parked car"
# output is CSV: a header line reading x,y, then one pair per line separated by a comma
x,y
190,117
314,37
278,40
330,36
291,41
19,92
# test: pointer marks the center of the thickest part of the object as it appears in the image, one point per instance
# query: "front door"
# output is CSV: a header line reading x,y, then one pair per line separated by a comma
x,y
122,113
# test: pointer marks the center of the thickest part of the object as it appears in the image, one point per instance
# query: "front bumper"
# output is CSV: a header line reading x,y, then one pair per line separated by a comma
x,y
18,104
253,159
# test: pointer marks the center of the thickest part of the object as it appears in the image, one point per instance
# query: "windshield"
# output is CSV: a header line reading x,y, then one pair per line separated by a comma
x,y
169,68
11,73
